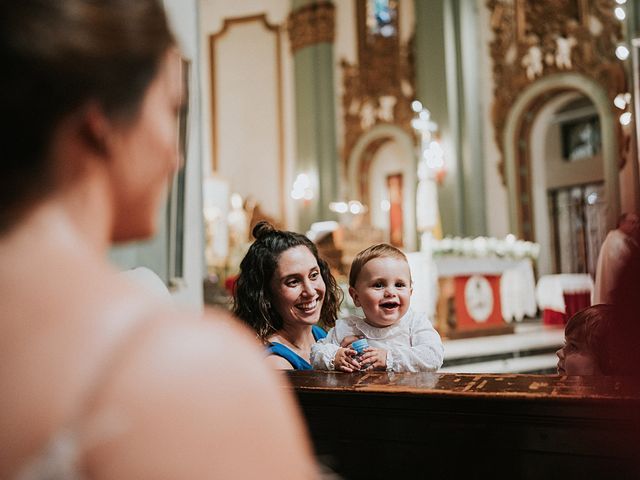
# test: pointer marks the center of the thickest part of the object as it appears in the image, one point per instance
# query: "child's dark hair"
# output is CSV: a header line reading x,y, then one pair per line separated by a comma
x,y
253,302
381,250
594,326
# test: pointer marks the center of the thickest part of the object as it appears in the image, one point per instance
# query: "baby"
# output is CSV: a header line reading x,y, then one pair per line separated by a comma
x,y
587,349
399,339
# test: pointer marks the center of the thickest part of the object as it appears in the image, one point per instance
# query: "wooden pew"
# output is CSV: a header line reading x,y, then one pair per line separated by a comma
x,y
425,425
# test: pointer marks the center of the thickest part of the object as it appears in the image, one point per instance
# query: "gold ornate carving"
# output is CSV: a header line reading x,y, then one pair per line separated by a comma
x,y
534,39
378,90
311,24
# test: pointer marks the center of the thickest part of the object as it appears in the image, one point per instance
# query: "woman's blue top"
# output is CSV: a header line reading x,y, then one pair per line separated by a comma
x,y
296,361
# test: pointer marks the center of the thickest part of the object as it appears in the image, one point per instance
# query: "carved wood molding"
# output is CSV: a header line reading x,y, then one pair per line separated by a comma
x,y
311,24
537,38
276,30
379,88
379,91
523,179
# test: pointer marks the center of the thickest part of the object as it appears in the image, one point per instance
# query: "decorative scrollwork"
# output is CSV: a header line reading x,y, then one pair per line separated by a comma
x,y
311,24
379,90
535,38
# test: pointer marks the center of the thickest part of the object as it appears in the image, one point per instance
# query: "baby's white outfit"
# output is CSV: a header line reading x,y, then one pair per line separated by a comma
x,y
412,344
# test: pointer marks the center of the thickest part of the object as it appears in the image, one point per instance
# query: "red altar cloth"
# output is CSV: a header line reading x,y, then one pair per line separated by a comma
x,y
574,302
561,296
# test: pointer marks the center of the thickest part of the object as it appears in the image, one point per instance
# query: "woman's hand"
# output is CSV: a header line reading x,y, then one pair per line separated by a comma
x,y
374,358
344,360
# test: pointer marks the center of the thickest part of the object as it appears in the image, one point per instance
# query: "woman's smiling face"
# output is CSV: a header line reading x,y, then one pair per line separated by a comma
x,y
297,287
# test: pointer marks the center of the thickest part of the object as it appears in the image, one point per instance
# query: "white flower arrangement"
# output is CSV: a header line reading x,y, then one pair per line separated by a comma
x,y
482,247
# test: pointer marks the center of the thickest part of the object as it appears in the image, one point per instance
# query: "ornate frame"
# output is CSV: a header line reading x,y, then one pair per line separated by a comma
x,y
276,30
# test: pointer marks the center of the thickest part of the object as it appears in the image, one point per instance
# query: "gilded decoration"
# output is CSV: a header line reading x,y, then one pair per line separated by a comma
x,y
534,39
378,89
311,24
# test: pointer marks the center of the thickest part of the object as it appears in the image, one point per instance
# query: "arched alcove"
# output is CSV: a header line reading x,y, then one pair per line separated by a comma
x,y
516,146
567,183
364,160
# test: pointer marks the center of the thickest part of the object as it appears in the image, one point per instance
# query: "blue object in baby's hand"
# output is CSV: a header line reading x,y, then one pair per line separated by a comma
x,y
360,345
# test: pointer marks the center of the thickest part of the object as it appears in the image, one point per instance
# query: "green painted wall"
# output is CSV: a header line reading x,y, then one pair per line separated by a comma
x,y
448,84
316,151
471,145
436,95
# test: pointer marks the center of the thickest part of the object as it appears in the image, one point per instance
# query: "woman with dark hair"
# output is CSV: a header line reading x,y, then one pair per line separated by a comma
x,y
99,378
284,289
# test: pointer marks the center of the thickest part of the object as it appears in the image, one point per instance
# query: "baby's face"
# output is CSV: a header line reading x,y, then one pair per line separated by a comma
x,y
383,290
575,359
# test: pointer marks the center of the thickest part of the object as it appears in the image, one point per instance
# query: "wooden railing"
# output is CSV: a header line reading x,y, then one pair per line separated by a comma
x,y
421,425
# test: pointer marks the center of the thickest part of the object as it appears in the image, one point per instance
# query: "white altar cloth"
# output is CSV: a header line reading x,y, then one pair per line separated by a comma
x,y
551,289
517,282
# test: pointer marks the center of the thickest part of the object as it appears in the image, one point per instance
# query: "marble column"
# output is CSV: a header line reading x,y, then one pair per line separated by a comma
x,y
447,84
311,33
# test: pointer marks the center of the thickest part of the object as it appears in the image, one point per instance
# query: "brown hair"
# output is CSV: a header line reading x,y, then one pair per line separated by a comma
x,y
593,326
253,302
57,56
381,250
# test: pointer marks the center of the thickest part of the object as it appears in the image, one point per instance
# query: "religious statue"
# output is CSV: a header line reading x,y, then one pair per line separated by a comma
x,y
532,61
385,112
238,222
426,199
563,51
367,115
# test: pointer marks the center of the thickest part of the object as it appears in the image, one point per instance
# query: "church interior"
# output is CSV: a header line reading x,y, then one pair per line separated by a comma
x,y
492,141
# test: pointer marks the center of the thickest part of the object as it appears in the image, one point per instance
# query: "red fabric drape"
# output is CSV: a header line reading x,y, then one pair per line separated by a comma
x,y
574,302
551,317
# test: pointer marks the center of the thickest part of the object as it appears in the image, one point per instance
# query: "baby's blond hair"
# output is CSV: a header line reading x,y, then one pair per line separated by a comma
x,y
381,250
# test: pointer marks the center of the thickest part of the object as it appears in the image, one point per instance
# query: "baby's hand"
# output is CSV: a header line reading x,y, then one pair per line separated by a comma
x,y
344,360
348,340
374,358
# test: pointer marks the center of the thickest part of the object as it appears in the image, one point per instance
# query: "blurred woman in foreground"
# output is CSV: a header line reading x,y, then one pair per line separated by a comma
x,y
98,378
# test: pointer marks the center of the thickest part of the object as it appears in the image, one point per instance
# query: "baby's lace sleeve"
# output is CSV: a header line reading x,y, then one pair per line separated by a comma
x,y
426,352
324,351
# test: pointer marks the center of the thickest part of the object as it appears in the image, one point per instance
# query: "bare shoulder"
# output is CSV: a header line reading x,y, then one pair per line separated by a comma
x,y
196,396
277,362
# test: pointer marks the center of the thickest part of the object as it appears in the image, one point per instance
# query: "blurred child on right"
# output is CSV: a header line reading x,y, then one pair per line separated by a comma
x,y
587,346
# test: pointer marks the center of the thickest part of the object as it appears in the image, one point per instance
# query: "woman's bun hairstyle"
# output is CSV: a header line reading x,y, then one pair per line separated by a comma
x,y
253,299
262,229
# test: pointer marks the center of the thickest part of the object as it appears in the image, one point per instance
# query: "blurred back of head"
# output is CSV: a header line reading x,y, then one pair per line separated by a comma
x,y
57,57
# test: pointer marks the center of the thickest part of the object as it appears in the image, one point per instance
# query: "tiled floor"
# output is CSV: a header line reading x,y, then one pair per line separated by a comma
x,y
530,349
